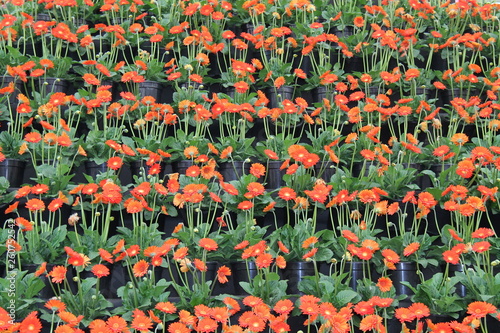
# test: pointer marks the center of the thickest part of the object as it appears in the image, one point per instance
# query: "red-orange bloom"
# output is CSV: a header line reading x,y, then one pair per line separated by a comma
x,y
264,260
411,248
404,315
390,256
451,257
115,163
349,235
208,244
100,270
384,284
480,309
372,322
287,193
140,268
419,310
142,323
245,205
222,273
31,324
117,324
483,233
166,307
58,274
55,305
35,204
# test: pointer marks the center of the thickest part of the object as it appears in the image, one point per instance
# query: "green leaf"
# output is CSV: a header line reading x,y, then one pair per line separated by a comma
x,y
345,296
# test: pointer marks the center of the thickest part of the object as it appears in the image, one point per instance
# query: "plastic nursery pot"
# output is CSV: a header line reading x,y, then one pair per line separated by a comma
x,y
13,170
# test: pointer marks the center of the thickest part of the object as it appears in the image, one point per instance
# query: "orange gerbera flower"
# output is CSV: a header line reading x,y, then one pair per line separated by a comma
x,y
23,224
459,139
371,322
140,268
480,309
349,235
287,193
115,163
411,248
178,328
117,324
142,323
100,270
264,260
480,247
58,274
368,196
271,154
245,205
31,324
310,254
222,273
35,204
180,253
280,262
309,242
384,284
191,152
257,170
419,310
42,269
254,189
451,257
404,315
55,305
166,307
483,233
208,244
390,256
284,306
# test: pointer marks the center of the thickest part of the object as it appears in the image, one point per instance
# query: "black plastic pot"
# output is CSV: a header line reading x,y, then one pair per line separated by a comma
x,y
50,85
356,273
277,96
452,270
426,181
13,170
325,170
242,271
93,170
151,88
295,272
320,93
233,170
354,65
274,175
181,166
361,169
404,272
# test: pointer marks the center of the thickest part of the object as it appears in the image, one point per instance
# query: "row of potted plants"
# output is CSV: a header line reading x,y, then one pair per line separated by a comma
x,y
179,270
248,166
